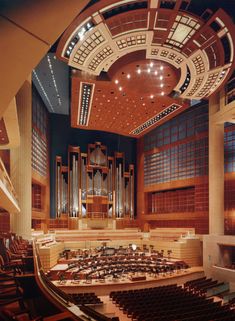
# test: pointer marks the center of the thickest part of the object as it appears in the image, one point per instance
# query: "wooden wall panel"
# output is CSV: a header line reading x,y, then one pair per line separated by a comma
x,y
4,222
174,158
34,26
5,156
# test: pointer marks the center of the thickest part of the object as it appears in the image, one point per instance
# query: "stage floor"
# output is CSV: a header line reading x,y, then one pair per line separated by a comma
x,y
104,288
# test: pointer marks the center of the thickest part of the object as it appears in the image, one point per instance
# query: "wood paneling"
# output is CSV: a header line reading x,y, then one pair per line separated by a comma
x,y
122,107
4,222
12,126
21,174
34,26
5,156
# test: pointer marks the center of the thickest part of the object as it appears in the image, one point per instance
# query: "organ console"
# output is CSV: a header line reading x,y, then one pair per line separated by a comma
x,y
94,185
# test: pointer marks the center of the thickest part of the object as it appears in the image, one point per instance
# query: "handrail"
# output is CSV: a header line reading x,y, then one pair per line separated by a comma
x,y
52,295
62,299
4,177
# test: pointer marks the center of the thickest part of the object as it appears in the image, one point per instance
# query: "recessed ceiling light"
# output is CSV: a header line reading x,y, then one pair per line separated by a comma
x,y
151,96
161,77
139,71
148,70
151,64
128,76
161,68
116,81
155,73
162,93
120,88
161,85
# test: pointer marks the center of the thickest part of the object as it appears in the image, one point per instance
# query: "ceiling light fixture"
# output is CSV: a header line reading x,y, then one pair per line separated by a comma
x,y
54,81
120,88
43,90
149,70
161,68
162,93
161,77
151,96
155,73
128,76
139,71
161,85
155,119
151,64
116,81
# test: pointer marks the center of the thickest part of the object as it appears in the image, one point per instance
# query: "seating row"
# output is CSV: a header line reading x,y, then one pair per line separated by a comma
x,y
170,303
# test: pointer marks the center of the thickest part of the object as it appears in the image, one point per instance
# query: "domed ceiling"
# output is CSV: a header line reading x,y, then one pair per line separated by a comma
x,y
136,64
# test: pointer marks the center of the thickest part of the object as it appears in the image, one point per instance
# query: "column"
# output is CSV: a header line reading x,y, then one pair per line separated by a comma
x,y
20,163
216,169
141,205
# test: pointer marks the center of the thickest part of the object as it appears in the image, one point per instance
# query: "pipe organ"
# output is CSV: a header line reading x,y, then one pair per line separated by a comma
x,y
94,185
74,189
62,187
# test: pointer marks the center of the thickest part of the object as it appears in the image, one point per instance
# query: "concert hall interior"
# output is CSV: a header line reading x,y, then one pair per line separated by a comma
x,y
117,160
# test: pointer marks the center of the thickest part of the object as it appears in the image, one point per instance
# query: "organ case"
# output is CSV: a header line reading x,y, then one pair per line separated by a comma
x,y
61,188
94,185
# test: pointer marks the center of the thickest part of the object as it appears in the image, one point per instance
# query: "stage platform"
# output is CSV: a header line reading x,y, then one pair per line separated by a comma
x,y
98,235
104,288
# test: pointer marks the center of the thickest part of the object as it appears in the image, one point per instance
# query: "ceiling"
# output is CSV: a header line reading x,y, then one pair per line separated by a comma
x,y
51,78
135,64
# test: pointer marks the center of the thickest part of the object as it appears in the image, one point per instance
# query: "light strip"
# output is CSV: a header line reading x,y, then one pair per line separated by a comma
x,y
43,90
149,123
84,104
53,79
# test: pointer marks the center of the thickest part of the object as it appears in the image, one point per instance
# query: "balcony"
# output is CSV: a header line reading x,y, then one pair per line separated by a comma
x,y
8,197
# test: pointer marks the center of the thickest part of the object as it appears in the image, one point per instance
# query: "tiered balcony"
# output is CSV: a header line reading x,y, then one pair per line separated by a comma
x,y
8,197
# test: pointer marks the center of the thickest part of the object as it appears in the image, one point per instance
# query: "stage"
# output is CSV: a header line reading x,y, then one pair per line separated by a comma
x,y
102,288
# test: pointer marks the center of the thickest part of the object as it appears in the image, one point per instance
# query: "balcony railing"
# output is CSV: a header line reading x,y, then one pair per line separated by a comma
x,y
8,200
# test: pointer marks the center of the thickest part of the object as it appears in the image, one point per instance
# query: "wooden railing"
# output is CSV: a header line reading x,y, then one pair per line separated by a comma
x,y
6,181
61,299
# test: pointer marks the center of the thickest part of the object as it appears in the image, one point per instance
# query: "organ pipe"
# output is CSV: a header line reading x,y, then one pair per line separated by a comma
x,y
83,173
64,195
90,177
131,196
58,192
